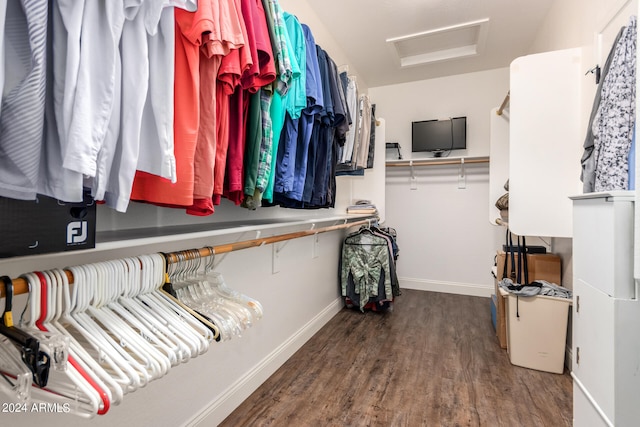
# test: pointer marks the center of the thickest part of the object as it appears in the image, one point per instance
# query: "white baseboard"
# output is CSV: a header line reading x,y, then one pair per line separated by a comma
x,y
472,289
230,399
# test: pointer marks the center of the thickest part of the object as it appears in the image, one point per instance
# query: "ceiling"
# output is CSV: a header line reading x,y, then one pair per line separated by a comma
x,y
431,38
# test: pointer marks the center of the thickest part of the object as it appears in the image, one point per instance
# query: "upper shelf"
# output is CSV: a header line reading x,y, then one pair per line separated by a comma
x,y
133,242
437,161
145,236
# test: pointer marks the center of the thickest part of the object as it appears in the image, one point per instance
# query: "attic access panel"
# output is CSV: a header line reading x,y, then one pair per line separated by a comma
x,y
441,44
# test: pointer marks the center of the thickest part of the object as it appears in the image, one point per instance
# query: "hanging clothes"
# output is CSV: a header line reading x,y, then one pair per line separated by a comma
x,y
189,35
372,138
150,101
632,162
300,115
54,180
229,38
156,154
200,44
352,105
588,173
294,102
281,49
146,128
280,45
23,98
367,269
259,72
233,187
614,122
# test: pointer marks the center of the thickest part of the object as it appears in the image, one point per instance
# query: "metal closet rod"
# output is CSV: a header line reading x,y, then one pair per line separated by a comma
x,y
20,286
504,104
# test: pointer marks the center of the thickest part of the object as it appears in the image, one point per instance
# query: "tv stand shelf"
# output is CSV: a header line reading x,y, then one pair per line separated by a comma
x,y
435,161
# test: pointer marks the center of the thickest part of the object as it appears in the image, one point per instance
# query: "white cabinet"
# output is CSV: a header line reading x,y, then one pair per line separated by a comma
x,y
606,312
545,140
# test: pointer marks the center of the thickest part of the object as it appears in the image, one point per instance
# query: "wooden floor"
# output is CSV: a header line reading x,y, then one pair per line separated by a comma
x,y
433,361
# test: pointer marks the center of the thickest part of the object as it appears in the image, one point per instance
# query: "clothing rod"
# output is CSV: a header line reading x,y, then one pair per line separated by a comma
x,y
405,163
246,244
504,104
20,286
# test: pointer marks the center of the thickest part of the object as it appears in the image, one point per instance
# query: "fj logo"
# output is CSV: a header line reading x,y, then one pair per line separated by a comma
x,y
76,232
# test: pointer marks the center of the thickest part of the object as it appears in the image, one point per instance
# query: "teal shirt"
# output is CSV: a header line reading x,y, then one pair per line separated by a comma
x,y
296,97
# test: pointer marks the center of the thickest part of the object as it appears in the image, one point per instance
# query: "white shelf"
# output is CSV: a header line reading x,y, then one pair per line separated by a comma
x,y
132,242
435,161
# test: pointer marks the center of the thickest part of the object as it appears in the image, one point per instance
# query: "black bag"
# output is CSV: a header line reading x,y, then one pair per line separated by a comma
x,y
521,278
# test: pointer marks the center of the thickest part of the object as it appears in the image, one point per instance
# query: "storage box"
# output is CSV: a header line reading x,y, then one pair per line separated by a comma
x,y
541,267
501,321
30,227
537,331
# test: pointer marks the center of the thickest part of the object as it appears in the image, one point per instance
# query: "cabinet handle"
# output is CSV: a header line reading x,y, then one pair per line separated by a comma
x,y
577,303
577,355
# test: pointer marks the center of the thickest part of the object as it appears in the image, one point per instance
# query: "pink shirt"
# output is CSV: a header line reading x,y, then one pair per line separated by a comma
x,y
225,42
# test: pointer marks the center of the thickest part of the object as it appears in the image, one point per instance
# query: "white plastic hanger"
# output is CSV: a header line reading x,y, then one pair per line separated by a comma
x,y
169,349
104,342
179,322
15,377
186,285
207,293
60,321
68,387
185,280
77,356
121,278
128,339
146,316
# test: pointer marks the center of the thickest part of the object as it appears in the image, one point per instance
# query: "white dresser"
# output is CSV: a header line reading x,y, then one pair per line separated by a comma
x,y
606,312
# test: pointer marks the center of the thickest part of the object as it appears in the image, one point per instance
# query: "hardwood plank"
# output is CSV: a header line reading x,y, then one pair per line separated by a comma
x,y
434,360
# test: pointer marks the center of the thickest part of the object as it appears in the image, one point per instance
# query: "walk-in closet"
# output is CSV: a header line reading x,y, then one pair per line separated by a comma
x,y
318,213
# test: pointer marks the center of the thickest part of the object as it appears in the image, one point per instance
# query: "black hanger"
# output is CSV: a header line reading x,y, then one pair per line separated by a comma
x,y
37,361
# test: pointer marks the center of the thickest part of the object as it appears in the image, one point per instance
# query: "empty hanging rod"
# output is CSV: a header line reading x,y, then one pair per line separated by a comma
x,y
504,104
20,286
436,162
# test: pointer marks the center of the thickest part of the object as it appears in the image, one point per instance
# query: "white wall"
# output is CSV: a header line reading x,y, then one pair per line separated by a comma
x,y
323,37
445,239
471,95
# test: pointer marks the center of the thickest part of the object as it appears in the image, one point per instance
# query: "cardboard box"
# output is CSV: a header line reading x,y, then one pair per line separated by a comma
x,y
501,317
541,267
45,225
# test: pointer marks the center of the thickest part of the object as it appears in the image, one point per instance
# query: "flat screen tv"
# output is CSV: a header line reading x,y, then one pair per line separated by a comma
x,y
439,136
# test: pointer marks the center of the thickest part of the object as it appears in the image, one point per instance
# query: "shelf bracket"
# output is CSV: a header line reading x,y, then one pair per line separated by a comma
x,y
462,179
413,180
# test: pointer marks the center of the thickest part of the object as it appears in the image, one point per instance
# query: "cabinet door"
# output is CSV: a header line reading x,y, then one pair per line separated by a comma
x,y
585,413
545,142
593,344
